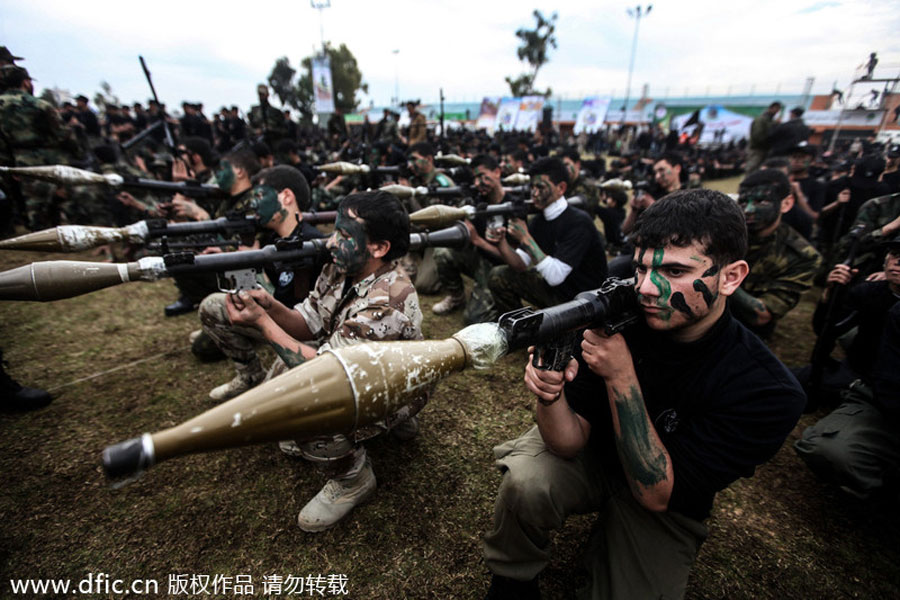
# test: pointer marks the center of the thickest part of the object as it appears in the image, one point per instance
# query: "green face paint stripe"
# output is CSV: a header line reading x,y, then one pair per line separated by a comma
x,y
644,461
225,175
708,296
349,251
661,283
679,303
267,204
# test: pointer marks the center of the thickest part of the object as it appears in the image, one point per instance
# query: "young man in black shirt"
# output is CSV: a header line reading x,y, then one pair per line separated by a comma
x,y
561,243
646,427
856,446
280,195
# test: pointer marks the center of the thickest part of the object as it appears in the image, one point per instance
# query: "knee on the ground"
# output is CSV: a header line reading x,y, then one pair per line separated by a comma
x,y
528,493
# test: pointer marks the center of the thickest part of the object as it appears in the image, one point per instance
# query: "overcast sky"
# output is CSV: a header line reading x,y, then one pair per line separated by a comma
x,y
216,52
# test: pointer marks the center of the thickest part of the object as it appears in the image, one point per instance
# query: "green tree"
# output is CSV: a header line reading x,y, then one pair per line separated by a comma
x,y
106,96
535,47
346,78
281,80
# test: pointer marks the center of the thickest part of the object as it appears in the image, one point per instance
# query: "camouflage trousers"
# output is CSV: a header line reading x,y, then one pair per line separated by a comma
x,y
338,456
509,287
855,446
452,264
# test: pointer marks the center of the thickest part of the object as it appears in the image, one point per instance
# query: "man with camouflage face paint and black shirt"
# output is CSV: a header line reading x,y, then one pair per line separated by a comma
x,y
280,195
645,427
782,263
363,295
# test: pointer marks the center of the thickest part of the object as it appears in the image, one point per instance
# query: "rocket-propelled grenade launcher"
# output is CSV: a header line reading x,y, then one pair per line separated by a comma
x,y
59,279
346,388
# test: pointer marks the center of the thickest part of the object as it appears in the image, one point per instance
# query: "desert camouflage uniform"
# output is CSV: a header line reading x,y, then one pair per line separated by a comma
x,y
32,134
382,307
874,214
418,128
782,267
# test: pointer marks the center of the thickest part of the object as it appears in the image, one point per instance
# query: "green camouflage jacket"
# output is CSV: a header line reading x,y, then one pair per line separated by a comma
x,y
32,133
782,267
275,123
873,214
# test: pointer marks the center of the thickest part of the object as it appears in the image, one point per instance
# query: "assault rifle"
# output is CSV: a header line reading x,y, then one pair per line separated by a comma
x,y
827,337
556,331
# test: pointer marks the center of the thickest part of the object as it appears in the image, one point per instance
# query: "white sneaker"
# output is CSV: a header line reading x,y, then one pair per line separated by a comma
x,y
449,303
336,500
290,448
247,377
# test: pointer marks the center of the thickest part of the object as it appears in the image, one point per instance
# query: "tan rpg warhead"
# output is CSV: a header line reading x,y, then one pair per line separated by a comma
x,y
59,279
517,179
440,215
405,191
63,174
450,159
337,392
343,168
72,238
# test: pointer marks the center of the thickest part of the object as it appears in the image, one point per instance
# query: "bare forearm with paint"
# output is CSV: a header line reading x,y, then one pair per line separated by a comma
x,y
645,461
534,251
291,351
509,256
750,308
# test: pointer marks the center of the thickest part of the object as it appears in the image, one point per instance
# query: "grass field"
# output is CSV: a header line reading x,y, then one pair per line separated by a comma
x,y
118,368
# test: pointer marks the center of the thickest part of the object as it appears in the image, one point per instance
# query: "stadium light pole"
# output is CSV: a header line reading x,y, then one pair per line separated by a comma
x,y
637,13
321,5
396,54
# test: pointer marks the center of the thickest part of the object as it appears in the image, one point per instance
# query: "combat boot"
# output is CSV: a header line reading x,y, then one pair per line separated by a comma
x,y
336,500
247,377
450,303
17,397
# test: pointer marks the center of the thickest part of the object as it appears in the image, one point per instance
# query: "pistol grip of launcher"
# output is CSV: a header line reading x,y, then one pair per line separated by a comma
x,y
557,354
232,282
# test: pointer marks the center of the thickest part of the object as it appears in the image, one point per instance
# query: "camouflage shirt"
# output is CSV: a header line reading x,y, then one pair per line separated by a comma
x,y
874,214
384,306
782,267
241,203
32,132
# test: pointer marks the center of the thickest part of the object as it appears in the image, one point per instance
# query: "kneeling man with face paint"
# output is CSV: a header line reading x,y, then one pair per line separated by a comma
x,y
782,263
363,295
279,197
645,427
